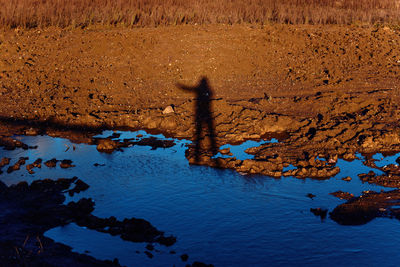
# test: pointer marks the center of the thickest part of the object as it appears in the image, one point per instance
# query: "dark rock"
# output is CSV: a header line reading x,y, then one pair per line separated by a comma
x,y
107,145
361,210
66,163
115,135
184,257
4,161
32,210
10,144
79,186
199,264
319,212
17,165
342,195
155,143
348,179
38,163
149,254
311,195
166,240
97,165
31,131
29,168
51,163
390,179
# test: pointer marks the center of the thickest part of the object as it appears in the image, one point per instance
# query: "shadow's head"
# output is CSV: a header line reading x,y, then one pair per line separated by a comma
x,y
204,81
203,88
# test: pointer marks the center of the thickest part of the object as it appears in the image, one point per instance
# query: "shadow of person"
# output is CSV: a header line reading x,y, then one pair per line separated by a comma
x,y
203,116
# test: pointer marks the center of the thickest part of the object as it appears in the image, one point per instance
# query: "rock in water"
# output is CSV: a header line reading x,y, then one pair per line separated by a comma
x,y
106,145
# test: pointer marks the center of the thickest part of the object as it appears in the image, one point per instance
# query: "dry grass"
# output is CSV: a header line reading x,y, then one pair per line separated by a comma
x,y
64,13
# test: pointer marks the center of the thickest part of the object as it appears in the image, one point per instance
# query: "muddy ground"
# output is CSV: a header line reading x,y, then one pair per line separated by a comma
x,y
325,92
328,91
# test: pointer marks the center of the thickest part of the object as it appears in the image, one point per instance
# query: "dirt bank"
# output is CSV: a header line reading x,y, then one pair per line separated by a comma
x,y
332,90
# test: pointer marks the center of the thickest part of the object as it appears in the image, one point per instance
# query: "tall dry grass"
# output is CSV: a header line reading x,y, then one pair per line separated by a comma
x,y
64,13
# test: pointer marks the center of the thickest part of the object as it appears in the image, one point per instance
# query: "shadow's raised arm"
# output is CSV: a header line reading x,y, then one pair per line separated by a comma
x,y
185,88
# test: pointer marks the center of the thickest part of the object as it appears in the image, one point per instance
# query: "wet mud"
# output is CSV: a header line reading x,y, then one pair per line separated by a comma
x,y
337,92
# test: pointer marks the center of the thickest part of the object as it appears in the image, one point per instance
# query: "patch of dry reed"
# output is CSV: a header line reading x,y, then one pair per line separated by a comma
x,y
64,13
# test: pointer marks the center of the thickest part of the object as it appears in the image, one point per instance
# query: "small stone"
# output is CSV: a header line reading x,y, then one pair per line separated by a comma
x,y
149,254
29,168
106,145
66,163
168,110
98,164
51,163
4,161
342,195
38,163
79,187
225,151
310,195
184,257
348,179
332,161
31,131
319,212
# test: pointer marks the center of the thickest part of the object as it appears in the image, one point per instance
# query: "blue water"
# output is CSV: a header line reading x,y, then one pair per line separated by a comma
x,y
218,216
382,160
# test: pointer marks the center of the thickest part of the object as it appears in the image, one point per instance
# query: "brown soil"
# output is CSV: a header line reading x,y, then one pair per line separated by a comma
x,y
332,90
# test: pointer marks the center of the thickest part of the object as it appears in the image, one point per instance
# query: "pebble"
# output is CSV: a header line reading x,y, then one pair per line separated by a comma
x,y
168,110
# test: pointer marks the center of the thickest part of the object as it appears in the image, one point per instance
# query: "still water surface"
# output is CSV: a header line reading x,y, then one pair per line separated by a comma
x,y
218,216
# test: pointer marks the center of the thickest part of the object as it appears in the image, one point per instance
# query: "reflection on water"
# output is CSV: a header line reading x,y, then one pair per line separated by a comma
x,y
218,216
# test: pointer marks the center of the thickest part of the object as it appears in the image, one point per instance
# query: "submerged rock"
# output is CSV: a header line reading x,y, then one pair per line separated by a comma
x,y
390,179
17,165
36,164
79,187
51,163
199,264
342,195
309,195
360,210
66,163
10,144
184,257
319,212
4,161
107,145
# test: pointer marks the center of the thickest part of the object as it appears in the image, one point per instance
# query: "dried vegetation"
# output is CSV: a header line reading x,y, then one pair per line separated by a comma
x,y
81,13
